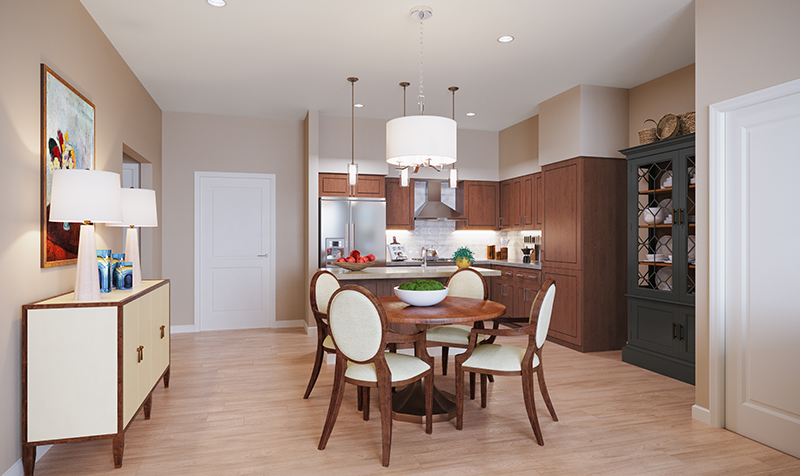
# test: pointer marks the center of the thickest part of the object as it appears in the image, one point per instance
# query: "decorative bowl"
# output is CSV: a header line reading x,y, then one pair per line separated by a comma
x,y
655,215
353,266
421,298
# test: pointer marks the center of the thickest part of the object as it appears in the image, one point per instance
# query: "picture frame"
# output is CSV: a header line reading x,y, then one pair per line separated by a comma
x,y
67,141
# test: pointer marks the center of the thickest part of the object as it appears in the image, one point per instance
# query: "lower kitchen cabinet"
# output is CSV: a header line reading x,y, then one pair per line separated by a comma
x,y
88,367
515,288
661,338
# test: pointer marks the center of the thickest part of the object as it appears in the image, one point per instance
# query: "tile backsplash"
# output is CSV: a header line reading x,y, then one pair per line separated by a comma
x,y
442,236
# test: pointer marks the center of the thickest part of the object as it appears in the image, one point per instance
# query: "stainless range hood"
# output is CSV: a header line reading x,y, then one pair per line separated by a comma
x,y
434,208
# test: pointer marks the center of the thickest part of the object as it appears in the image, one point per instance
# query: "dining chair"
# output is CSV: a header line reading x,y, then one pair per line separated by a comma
x,y
466,282
497,359
358,326
323,284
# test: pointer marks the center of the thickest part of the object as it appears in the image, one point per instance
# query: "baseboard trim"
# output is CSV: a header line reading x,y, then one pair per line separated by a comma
x,y
701,414
17,470
183,329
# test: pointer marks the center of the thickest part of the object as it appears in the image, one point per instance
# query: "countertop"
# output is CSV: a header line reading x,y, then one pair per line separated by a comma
x,y
406,272
517,263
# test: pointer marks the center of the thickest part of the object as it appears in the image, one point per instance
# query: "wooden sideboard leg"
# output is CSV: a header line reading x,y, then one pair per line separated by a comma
x,y
28,459
148,405
166,378
118,447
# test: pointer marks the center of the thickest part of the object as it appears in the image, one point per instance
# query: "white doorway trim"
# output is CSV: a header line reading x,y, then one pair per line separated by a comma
x,y
717,240
198,176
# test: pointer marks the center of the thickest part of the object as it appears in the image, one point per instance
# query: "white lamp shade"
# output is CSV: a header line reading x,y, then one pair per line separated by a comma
x,y
413,140
138,208
85,195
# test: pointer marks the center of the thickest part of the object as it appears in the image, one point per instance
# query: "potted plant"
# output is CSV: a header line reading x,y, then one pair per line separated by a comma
x,y
463,257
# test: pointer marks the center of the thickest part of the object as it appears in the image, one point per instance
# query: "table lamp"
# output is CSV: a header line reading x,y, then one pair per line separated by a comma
x,y
85,196
138,209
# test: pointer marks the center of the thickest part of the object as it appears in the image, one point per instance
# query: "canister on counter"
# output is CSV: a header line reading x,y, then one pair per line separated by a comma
x,y
490,252
503,253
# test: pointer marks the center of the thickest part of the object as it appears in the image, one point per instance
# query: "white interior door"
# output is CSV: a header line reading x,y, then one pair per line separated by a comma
x,y
761,263
234,246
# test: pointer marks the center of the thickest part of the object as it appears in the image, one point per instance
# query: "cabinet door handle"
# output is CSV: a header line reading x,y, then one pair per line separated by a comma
x,y
673,331
140,354
680,331
520,275
162,331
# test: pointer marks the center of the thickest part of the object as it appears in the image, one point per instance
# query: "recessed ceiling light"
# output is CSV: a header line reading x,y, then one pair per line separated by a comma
x,y
358,105
216,3
470,114
506,39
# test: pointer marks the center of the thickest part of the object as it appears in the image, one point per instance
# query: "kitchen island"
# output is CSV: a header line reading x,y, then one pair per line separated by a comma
x,y
381,281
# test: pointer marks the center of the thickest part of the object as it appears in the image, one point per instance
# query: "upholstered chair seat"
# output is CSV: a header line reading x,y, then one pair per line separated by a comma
x,y
402,367
499,358
456,335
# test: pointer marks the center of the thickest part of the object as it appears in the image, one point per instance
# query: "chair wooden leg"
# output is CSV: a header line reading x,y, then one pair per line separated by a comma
x,y
472,385
365,398
360,399
545,395
483,390
445,352
385,397
490,377
429,403
336,401
530,406
459,397
315,371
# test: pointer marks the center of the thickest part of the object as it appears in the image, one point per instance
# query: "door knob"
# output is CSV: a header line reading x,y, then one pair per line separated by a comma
x,y
265,255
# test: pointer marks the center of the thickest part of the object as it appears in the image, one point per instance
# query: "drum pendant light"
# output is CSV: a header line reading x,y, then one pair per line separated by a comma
x,y
352,167
421,141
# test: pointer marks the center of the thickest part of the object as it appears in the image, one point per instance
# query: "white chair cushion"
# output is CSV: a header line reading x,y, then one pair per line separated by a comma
x,y
452,334
327,343
402,366
505,358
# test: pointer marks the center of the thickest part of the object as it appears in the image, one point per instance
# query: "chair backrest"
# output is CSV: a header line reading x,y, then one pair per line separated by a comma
x,y
542,310
323,284
357,322
467,282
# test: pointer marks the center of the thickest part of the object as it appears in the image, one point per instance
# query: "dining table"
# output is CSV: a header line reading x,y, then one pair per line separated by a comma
x,y
408,404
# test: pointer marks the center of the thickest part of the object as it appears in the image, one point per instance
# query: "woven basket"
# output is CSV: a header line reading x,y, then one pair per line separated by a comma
x,y
687,122
648,136
668,126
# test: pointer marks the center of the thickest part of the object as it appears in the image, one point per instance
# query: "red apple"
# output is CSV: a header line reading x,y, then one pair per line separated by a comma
x,y
355,254
371,257
341,260
351,260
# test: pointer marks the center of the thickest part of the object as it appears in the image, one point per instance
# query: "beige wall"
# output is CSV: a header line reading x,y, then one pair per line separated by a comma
x,y
560,127
213,143
124,113
604,121
741,47
519,149
671,93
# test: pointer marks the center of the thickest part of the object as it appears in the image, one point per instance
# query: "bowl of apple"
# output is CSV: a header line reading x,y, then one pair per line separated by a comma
x,y
355,262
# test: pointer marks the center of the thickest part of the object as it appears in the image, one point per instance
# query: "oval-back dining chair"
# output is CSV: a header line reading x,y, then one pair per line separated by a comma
x,y
496,359
323,285
358,326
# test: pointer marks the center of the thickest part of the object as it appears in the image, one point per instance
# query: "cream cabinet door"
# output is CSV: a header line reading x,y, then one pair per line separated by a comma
x,y
130,360
146,379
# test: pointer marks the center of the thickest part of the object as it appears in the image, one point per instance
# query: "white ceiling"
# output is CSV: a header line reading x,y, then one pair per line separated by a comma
x,y
279,59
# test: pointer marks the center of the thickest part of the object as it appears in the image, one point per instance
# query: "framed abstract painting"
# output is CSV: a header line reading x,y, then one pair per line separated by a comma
x,y
67,140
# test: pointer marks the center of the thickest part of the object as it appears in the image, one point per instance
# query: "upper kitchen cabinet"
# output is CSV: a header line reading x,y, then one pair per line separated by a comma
x,y
479,202
518,204
399,205
335,185
583,250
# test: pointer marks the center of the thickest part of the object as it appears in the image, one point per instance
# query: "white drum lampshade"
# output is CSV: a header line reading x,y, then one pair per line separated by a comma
x,y
414,140
85,196
138,210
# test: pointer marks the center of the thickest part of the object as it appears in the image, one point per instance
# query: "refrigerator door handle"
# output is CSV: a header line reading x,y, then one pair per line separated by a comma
x,y
353,235
347,237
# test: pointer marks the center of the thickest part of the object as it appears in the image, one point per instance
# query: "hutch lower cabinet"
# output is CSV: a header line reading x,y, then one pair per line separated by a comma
x,y
89,366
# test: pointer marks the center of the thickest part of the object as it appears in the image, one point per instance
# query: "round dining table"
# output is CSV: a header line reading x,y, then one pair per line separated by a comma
x,y
408,404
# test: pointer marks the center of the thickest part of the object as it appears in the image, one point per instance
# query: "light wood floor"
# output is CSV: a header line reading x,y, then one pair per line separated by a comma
x,y
235,407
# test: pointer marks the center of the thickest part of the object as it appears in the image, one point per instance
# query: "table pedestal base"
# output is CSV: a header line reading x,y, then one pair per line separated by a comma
x,y
408,404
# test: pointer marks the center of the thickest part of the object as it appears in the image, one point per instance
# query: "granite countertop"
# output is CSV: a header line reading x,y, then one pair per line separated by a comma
x,y
517,263
407,272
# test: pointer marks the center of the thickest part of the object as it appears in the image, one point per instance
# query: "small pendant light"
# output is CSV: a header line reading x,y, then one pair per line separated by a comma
x,y
453,172
352,167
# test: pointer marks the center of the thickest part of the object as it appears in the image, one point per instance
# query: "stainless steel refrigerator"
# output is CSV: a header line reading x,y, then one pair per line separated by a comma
x,y
346,224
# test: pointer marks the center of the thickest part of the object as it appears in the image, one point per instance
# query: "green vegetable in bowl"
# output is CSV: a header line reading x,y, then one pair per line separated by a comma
x,y
422,285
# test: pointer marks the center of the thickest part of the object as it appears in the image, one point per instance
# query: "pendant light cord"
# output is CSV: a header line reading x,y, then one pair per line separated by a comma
x,y
421,96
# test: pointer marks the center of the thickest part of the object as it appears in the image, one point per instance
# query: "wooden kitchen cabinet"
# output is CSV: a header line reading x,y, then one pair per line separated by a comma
x,y
538,200
583,220
516,288
88,367
479,202
399,205
335,185
518,203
